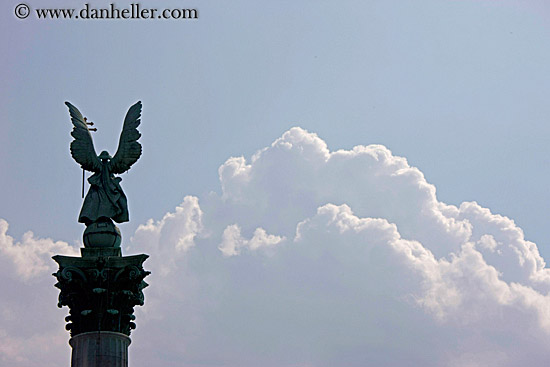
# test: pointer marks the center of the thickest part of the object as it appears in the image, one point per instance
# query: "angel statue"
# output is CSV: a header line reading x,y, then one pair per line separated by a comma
x,y
105,200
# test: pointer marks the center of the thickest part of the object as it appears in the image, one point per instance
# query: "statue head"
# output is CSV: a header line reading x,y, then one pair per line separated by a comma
x,y
104,155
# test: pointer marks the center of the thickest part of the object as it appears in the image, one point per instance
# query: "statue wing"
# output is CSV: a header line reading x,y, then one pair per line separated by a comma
x,y
82,147
129,150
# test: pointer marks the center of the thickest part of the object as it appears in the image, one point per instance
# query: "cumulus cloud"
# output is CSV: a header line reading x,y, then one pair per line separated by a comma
x,y
31,256
170,237
233,242
365,266
31,327
312,257
178,229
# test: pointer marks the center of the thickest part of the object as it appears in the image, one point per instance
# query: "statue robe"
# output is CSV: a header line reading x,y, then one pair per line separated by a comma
x,y
105,198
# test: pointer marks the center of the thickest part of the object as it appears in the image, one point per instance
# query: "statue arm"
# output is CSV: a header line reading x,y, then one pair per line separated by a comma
x,y
129,149
82,147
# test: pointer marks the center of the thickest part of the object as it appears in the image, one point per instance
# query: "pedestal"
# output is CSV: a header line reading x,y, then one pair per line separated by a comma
x,y
100,349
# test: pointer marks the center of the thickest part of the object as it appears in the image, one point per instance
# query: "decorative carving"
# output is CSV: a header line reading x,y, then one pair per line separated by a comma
x,y
101,292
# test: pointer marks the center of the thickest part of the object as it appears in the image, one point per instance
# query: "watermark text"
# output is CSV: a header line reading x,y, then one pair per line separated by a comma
x,y
89,12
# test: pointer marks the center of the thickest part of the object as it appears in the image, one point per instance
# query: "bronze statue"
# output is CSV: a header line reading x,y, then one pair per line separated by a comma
x,y
105,200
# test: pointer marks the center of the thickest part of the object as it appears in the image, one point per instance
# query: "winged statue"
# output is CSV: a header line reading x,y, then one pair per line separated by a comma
x,y
105,199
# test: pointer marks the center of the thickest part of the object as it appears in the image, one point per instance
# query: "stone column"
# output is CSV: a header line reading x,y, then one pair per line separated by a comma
x,y
101,289
100,349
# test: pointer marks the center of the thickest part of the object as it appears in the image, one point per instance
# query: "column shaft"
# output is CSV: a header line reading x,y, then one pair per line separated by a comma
x,y
100,349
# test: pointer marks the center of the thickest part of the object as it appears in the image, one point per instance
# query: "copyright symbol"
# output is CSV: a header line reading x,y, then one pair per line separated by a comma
x,y
22,11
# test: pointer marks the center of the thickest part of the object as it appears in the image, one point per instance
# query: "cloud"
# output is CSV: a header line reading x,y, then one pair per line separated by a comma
x,y
31,256
179,228
172,236
362,265
31,326
233,242
309,257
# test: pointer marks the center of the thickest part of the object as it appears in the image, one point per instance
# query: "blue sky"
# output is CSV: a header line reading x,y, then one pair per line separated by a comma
x,y
458,88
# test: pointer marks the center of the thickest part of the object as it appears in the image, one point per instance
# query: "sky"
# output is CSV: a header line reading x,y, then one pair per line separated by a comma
x,y
322,183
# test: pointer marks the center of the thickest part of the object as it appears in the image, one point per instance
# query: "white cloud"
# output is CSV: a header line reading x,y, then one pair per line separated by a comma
x,y
32,256
178,229
319,258
233,242
368,268
31,331
171,237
